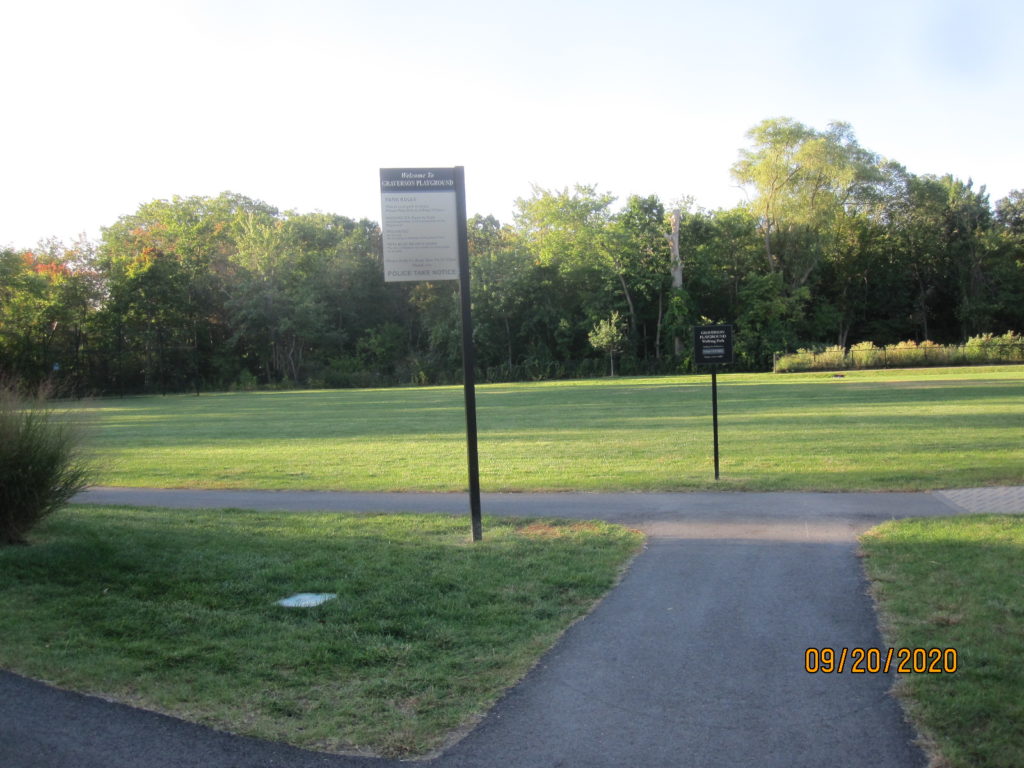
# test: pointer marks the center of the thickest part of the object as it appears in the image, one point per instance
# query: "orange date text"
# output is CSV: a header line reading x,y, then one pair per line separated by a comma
x,y
860,661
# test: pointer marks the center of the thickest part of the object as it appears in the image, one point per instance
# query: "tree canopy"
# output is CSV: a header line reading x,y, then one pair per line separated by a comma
x,y
835,245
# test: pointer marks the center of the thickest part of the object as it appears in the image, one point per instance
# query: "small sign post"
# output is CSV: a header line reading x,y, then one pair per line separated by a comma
x,y
425,238
712,345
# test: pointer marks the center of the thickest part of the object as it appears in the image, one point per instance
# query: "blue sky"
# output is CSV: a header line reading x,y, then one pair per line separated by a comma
x,y
112,103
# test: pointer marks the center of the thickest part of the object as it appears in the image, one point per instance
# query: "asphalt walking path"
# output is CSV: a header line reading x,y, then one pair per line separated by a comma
x,y
695,659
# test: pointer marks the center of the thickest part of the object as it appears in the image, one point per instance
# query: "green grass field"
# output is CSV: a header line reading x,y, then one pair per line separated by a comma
x,y
870,430
176,612
956,583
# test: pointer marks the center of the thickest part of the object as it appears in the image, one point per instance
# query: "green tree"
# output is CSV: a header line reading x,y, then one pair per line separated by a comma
x,y
642,257
939,229
847,281
1010,215
612,259
47,298
1007,247
608,336
768,319
168,269
971,251
308,301
570,233
720,250
506,317
803,182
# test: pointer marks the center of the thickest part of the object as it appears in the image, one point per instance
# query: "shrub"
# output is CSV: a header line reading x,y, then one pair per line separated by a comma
x,y
986,348
1013,347
245,382
41,464
832,359
866,355
933,353
903,355
801,360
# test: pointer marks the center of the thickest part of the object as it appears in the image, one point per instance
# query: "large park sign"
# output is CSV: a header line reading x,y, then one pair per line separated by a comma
x,y
419,208
423,221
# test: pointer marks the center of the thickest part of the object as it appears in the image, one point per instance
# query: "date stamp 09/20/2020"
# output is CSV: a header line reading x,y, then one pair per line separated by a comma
x,y
861,661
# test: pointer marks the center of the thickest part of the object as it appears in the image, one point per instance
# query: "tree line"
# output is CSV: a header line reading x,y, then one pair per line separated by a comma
x,y
836,246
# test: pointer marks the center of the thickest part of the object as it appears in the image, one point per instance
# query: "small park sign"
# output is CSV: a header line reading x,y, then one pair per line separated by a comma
x,y
712,345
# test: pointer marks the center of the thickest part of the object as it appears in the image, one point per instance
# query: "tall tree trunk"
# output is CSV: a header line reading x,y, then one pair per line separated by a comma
x,y
657,332
673,244
629,302
677,277
923,299
844,332
768,249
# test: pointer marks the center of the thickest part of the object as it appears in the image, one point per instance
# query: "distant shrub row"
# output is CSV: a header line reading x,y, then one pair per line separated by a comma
x,y
979,350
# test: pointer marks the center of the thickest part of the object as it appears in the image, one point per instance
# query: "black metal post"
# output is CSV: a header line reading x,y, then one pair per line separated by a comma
x,y
468,355
714,412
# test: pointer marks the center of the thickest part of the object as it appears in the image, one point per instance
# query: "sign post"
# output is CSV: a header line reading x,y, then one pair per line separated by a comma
x,y
425,238
712,345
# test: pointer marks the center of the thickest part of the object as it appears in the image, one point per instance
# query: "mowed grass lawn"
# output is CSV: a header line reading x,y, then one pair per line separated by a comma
x,y
177,612
869,430
957,583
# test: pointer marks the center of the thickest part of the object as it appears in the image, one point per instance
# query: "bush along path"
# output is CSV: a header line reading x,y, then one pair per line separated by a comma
x,y
41,465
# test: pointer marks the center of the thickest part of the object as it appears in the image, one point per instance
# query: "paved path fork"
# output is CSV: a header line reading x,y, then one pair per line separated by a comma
x,y
696,659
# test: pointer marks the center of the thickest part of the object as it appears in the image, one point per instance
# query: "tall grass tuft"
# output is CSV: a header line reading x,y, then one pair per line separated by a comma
x,y
41,462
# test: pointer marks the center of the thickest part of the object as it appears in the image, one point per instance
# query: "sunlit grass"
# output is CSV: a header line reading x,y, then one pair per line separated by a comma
x,y
957,583
893,430
176,611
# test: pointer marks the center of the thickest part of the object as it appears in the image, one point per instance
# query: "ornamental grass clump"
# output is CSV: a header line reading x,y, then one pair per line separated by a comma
x,y
801,360
865,354
905,354
41,462
832,359
984,349
988,348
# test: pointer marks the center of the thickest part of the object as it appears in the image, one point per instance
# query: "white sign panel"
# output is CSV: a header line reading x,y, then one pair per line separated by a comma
x,y
418,210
